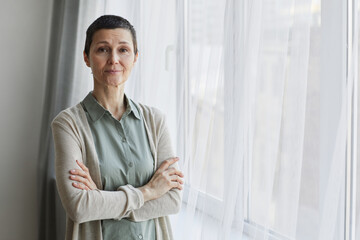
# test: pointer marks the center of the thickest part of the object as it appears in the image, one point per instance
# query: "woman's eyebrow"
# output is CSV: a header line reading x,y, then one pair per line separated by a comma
x,y
102,42
106,42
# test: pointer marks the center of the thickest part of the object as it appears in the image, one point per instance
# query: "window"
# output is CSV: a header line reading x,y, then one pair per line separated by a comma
x,y
256,97
289,60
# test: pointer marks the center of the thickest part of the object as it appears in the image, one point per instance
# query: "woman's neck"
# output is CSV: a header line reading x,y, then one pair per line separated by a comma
x,y
111,98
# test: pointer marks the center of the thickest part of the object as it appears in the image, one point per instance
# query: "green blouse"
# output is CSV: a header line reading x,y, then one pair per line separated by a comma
x,y
124,158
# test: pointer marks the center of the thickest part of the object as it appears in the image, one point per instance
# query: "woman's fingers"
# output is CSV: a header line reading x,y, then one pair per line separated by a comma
x,y
164,179
79,173
80,186
176,185
82,177
82,166
175,178
174,171
167,163
83,173
80,181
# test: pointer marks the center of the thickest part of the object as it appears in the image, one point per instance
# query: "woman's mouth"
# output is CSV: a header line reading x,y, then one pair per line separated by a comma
x,y
113,71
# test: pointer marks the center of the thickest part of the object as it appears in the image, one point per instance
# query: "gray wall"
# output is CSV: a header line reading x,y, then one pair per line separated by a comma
x,y
24,41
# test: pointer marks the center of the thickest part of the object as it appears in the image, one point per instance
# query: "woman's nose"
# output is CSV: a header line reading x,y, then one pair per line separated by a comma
x,y
114,58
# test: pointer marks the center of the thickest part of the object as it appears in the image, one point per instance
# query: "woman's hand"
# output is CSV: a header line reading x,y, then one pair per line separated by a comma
x,y
164,179
82,178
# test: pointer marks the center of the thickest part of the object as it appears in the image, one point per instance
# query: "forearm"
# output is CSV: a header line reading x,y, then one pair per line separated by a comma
x,y
98,205
169,203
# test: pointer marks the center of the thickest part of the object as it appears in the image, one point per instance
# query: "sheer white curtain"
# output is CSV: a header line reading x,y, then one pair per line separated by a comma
x,y
267,120
256,99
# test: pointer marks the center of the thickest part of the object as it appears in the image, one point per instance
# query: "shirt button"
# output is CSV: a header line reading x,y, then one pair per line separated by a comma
x,y
131,165
124,140
140,236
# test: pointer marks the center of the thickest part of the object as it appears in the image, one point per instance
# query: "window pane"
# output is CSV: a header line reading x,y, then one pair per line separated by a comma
x,y
298,118
206,23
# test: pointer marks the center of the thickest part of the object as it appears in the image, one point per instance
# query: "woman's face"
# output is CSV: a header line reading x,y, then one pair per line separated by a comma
x,y
111,57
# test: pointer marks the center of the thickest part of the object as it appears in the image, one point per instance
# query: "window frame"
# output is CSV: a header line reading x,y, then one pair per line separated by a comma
x,y
352,107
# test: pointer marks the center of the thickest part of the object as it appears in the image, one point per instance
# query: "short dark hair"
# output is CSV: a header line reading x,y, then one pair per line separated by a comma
x,y
109,22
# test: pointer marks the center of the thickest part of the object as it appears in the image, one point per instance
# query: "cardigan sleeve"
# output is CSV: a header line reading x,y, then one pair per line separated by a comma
x,y
80,205
169,203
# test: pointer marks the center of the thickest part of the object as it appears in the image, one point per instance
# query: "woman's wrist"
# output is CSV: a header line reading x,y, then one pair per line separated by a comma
x,y
146,192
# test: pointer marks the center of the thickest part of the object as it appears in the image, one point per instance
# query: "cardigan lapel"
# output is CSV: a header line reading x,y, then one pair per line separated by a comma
x,y
90,157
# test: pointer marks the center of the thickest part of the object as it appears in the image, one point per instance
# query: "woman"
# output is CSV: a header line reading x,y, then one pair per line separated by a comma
x,y
115,169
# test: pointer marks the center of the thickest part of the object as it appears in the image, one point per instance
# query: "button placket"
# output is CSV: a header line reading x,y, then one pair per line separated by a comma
x,y
121,130
124,140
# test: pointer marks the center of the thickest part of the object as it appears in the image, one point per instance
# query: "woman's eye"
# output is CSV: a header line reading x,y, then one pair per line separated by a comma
x,y
103,50
123,50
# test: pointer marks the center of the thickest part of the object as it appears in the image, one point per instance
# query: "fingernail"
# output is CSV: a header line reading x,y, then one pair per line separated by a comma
x,y
72,171
75,184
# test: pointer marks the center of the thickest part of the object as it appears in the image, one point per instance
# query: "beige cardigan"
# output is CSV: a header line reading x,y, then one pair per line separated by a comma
x,y
73,141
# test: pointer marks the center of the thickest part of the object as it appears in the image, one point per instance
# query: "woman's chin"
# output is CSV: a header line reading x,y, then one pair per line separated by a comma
x,y
115,83
109,82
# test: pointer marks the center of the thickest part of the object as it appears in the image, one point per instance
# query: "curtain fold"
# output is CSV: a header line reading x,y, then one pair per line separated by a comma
x,y
58,96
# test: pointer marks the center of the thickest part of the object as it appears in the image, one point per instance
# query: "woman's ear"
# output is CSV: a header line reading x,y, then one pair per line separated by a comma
x,y
136,57
86,59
